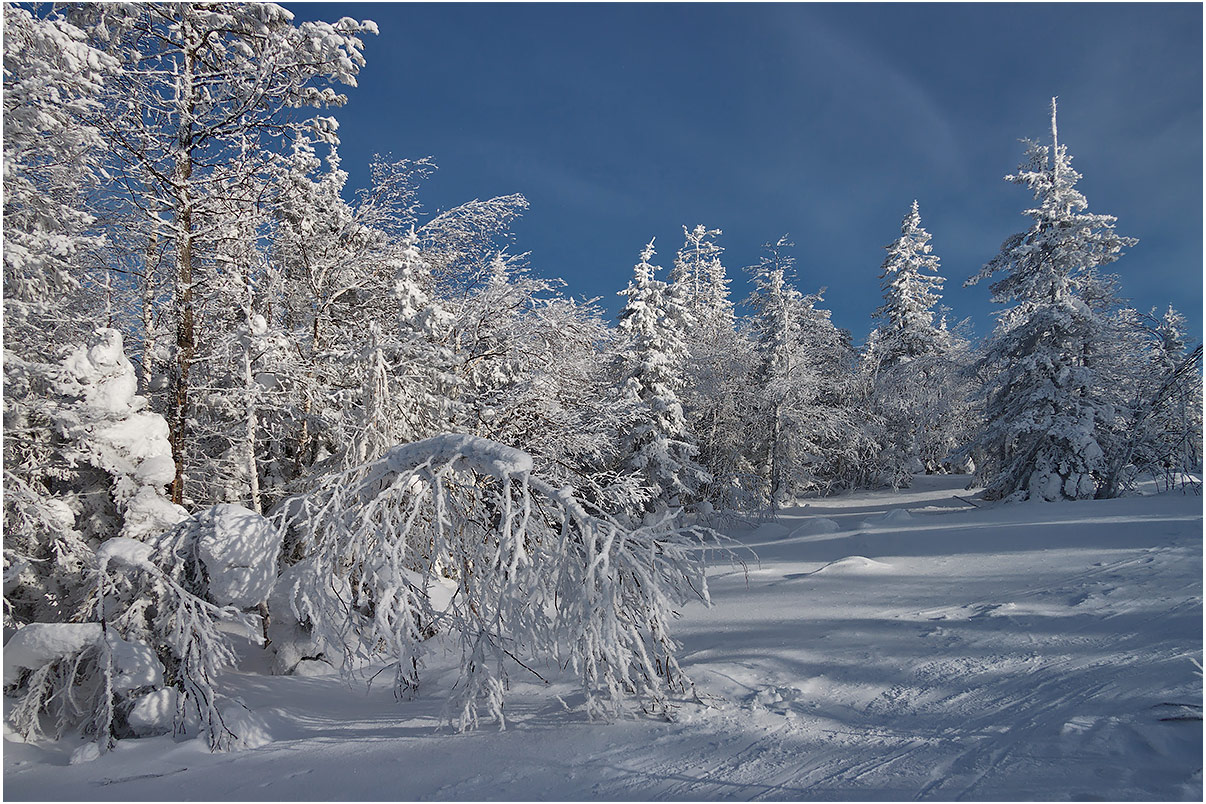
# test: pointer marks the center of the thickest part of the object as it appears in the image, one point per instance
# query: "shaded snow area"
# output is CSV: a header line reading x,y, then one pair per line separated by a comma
x,y
887,646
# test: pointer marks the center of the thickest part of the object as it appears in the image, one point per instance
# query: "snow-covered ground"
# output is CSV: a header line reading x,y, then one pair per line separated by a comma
x,y
885,646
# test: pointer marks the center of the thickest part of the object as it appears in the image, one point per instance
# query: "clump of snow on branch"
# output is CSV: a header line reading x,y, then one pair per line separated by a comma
x,y
230,553
112,429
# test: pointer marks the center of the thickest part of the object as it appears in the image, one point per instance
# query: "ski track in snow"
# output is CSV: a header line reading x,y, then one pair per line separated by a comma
x,y
1009,652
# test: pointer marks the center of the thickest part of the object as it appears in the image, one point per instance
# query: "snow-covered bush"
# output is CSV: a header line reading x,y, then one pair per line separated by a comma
x,y
455,535
145,632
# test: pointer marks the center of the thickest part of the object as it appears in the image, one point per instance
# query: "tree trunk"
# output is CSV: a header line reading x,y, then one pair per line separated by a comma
x,y
249,387
186,338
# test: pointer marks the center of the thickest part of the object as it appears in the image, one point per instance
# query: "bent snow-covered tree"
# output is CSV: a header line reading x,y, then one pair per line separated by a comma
x,y
1043,404
454,535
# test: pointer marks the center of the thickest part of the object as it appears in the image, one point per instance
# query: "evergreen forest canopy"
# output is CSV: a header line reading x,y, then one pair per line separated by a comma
x,y
235,392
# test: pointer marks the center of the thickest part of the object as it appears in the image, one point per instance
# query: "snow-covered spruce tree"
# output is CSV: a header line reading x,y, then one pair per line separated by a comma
x,y
916,384
456,535
717,358
805,418
835,450
658,447
911,286
1044,403
776,377
199,86
108,426
113,462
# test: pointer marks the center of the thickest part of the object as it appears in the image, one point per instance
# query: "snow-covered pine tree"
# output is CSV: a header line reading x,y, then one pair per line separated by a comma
x,y
700,280
1044,402
835,452
660,447
109,427
803,414
777,372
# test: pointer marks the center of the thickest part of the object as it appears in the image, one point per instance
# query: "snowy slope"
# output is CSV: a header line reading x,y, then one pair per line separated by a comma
x,y
911,646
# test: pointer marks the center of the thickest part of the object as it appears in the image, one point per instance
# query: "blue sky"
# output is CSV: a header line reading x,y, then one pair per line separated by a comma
x,y
623,122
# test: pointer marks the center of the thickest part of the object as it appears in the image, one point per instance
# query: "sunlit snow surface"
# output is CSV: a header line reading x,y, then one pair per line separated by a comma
x,y
1020,652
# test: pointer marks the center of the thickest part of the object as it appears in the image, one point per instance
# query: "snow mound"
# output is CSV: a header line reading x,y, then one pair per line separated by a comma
x,y
85,753
894,516
855,565
817,526
295,604
897,515
248,728
774,698
769,530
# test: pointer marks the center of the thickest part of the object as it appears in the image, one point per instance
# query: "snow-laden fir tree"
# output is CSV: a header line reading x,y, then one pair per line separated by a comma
x,y
700,280
836,452
911,287
777,372
801,417
108,426
1044,404
916,391
53,84
660,447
